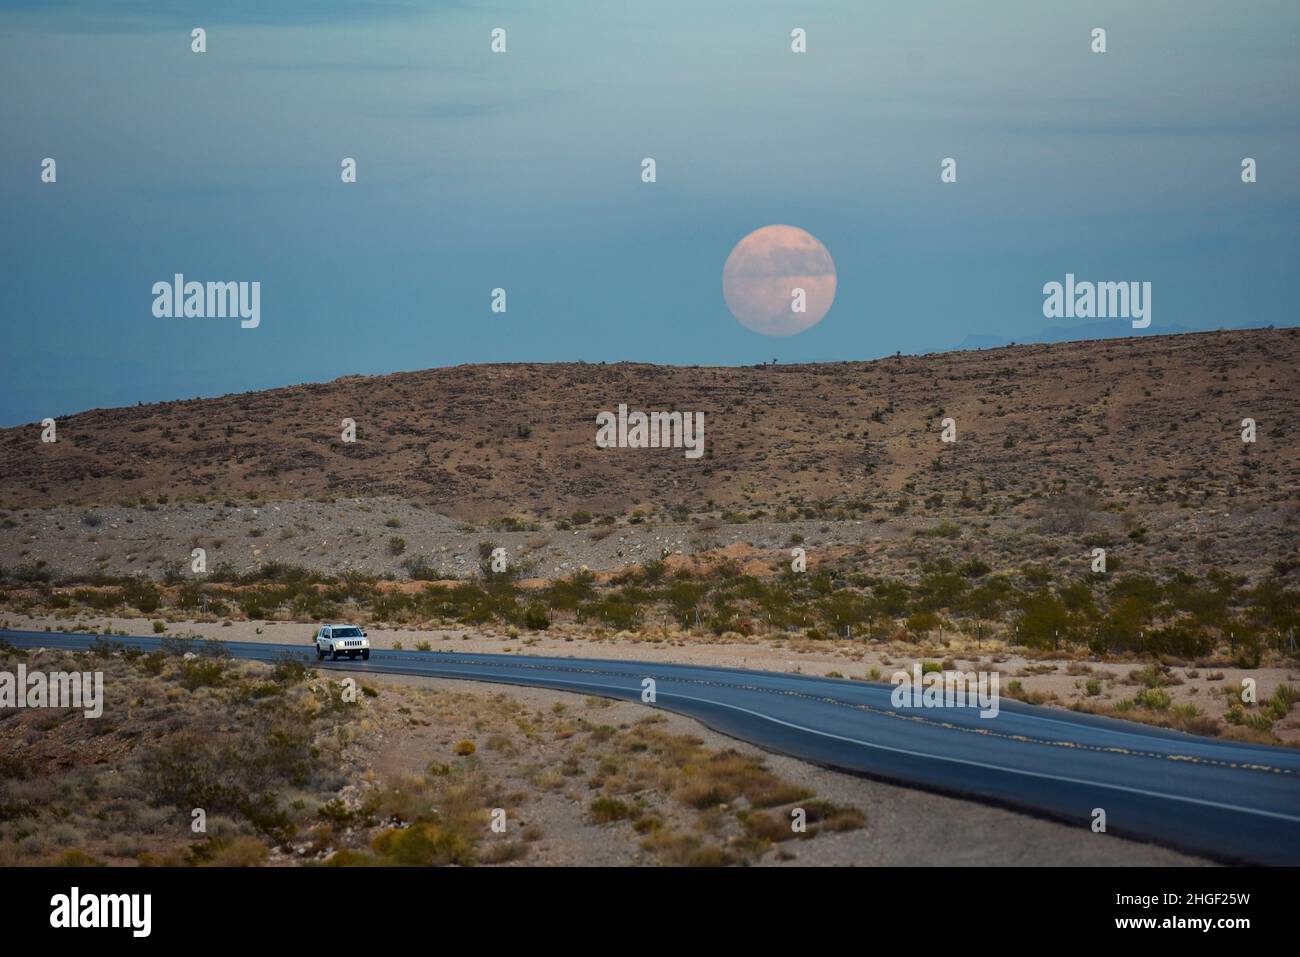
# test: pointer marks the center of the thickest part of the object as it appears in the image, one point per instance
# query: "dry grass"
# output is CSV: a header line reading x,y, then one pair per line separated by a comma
x,y
715,812
282,771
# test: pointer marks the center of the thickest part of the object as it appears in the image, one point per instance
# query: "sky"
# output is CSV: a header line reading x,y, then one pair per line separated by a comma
x,y
522,170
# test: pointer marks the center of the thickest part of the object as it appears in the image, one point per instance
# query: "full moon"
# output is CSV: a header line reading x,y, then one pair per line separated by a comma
x,y
773,272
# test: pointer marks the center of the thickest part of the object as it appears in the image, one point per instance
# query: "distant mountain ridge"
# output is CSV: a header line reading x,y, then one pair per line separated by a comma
x,y
1093,329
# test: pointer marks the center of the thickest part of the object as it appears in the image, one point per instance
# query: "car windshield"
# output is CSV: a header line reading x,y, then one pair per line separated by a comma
x,y
347,633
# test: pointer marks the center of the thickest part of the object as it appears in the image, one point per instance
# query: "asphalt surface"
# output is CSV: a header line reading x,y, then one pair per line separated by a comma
x,y
1233,802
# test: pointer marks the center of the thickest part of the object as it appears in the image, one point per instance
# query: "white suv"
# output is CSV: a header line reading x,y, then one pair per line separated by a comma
x,y
336,640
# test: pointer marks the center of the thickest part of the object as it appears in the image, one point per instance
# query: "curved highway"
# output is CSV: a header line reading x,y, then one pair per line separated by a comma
x,y
1230,801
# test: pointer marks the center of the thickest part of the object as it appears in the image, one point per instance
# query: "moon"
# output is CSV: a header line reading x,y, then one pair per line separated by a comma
x,y
763,272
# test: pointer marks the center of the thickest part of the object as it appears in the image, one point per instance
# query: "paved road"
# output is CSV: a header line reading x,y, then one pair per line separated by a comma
x,y
1234,802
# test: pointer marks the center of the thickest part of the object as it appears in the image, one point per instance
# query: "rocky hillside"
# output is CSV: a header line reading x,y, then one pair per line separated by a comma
x,y
1153,419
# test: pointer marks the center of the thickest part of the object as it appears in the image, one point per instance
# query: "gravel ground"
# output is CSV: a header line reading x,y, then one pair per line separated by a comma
x,y
358,535
904,826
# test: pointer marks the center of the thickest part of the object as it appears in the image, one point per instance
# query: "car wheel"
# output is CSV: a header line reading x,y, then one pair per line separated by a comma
x,y
334,655
365,655
319,654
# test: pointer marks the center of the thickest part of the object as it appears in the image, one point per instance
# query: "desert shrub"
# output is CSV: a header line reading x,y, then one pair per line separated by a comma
x,y
488,573
337,813
1157,699
277,571
833,817
1280,704
1207,605
31,573
265,814
254,605
17,767
766,826
1246,643
1274,608
710,855
940,590
234,773
213,648
105,647
77,858
1121,628
469,602
1152,676
536,618
1069,513
1255,720
684,599
501,852
511,523
942,530
190,771
12,809
890,599
569,593
612,611
1043,616
239,851
105,600
418,568
1035,576
653,572
1145,592
1077,599
922,622
1182,640
606,810
141,594
289,669
176,645
843,609
708,780
257,691
424,844
198,673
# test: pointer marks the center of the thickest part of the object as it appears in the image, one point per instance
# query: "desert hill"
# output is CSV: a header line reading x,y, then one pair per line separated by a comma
x,y
1154,419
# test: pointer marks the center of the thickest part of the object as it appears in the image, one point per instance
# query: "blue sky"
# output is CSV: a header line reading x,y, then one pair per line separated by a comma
x,y
522,171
